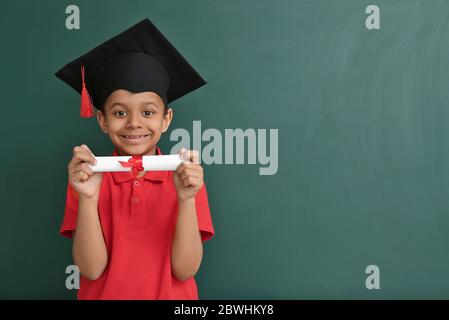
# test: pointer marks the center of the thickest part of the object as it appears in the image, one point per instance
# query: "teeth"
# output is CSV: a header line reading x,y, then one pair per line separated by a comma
x,y
134,137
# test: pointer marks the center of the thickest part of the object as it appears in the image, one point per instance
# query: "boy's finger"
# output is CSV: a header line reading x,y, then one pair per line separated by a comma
x,y
195,156
85,167
191,181
186,181
182,153
190,168
192,156
84,176
187,155
182,166
79,176
84,155
87,148
191,172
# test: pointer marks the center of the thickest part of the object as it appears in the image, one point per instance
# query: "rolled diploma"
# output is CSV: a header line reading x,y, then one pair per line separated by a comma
x,y
150,163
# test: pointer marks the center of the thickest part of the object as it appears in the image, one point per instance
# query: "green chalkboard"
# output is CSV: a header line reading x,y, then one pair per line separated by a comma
x,y
362,117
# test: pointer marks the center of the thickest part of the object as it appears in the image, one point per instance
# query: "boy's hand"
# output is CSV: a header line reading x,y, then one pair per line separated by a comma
x,y
188,177
82,179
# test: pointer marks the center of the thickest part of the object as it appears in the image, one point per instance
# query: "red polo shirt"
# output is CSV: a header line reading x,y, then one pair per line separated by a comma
x,y
138,218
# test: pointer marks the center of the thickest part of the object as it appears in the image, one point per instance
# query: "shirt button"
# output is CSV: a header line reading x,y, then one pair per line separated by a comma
x,y
136,183
135,199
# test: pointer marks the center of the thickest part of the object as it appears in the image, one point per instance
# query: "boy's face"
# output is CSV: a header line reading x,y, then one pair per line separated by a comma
x,y
134,121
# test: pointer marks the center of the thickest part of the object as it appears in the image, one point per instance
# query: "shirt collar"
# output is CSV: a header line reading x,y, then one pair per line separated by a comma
x,y
124,176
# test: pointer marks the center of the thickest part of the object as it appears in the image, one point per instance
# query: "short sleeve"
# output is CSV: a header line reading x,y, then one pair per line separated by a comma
x,y
70,213
203,214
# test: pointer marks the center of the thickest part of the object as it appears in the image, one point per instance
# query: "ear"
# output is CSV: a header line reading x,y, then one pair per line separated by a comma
x,y
101,118
167,119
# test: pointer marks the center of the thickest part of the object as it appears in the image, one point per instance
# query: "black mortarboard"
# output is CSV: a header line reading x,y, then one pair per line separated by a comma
x,y
138,59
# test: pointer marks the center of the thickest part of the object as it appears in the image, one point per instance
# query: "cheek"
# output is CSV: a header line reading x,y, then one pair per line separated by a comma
x,y
115,125
156,125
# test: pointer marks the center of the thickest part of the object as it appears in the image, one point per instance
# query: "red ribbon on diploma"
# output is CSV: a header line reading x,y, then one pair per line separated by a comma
x,y
135,163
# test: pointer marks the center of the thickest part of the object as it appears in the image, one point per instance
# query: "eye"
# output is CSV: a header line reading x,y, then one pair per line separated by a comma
x,y
119,113
148,113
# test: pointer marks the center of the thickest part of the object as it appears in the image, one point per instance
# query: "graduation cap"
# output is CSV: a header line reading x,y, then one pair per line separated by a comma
x,y
139,59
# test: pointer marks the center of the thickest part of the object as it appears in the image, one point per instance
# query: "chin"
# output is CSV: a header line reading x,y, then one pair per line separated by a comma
x,y
135,150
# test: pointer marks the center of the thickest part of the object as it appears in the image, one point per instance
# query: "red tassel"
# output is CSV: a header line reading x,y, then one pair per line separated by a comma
x,y
87,108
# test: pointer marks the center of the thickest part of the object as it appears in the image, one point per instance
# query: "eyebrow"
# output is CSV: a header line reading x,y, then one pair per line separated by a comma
x,y
121,104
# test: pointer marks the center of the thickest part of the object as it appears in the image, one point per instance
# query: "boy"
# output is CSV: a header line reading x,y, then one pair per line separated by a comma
x,y
135,235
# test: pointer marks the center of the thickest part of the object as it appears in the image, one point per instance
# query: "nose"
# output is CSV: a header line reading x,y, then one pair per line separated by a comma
x,y
133,121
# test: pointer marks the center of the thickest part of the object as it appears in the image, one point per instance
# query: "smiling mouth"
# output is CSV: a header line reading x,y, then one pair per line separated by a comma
x,y
135,137
133,140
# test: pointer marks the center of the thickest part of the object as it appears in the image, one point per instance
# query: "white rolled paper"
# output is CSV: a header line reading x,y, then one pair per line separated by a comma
x,y
150,163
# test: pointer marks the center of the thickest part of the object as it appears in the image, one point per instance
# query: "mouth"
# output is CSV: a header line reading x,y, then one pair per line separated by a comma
x,y
134,139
